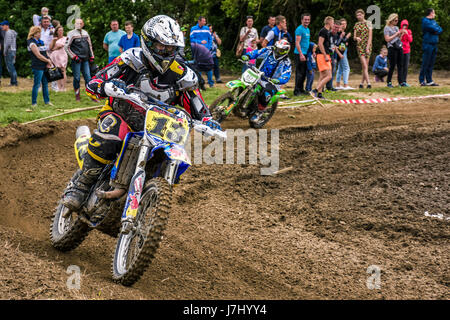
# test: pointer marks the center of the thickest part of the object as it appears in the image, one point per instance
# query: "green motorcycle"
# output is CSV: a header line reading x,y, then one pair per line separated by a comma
x,y
242,99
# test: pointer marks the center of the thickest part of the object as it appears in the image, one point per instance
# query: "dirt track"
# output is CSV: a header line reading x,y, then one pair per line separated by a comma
x,y
363,176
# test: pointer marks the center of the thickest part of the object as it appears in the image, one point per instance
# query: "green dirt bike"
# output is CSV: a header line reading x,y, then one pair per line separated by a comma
x,y
242,99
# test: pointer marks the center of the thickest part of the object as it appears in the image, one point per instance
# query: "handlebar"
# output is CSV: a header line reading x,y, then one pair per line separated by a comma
x,y
135,96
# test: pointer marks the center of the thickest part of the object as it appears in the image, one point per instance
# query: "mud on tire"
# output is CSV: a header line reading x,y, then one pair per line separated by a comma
x,y
153,214
67,233
215,109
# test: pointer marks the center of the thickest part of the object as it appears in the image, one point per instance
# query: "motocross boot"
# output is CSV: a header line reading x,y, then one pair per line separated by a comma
x,y
78,190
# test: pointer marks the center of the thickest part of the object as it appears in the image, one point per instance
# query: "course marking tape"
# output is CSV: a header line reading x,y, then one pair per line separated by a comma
x,y
380,100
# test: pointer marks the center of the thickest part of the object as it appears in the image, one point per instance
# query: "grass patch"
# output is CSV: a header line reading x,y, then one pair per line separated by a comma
x,y
16,106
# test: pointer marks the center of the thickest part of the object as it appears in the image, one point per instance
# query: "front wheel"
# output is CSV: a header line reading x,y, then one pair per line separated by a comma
x,y
136,248
222,106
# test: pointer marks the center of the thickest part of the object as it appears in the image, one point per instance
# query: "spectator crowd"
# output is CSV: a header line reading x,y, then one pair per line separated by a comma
x,y
50,46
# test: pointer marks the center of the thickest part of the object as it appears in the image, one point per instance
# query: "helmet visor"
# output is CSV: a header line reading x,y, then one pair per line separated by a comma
x,y
161,49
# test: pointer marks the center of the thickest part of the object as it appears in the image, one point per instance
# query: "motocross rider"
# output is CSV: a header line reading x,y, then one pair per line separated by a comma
x,y
276,66
155,68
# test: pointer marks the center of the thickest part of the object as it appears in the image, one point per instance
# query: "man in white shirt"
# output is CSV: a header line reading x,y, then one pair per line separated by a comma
x,y
47,31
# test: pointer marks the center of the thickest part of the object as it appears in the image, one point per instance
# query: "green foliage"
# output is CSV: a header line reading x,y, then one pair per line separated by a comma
x,y
227,17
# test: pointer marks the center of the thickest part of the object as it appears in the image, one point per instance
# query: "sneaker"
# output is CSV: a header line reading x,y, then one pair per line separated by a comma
x,y
211,86
406,84
348,88
432,84
314,93
423,84
339,88
389,85
219,81
369,86
320,96
361,86
50,104
283,96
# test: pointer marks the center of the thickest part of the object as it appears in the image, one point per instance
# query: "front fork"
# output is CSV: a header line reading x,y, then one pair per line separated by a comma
x,y
136,188
137,183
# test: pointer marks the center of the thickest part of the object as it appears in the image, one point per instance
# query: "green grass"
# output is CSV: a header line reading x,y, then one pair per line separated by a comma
x,y
16,107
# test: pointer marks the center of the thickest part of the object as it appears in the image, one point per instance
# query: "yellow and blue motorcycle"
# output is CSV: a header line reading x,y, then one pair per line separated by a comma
x,y
132,197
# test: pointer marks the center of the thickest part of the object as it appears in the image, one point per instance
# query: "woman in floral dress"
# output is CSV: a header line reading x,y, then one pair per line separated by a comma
x,y
363,36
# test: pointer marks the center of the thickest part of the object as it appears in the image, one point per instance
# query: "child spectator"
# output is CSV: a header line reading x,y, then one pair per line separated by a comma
x,y
252,46
407,38
311,65
380,68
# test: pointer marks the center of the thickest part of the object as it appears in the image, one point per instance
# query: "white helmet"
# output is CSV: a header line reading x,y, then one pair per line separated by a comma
x,y
281,48
161,39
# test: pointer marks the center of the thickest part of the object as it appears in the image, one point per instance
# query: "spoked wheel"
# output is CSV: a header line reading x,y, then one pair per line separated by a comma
x,y
264,117
136,248
223,102
67,231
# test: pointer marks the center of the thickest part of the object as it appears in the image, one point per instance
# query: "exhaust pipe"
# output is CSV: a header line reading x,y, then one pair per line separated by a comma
x,y
114,194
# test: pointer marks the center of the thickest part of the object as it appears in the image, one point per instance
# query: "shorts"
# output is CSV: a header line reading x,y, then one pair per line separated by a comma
x,y
323,65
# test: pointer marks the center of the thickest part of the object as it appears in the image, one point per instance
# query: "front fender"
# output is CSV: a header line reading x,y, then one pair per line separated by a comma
x,y
236,84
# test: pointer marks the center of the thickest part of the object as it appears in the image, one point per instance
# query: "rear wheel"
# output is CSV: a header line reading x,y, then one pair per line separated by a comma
x,y
67,231
264,117
136,248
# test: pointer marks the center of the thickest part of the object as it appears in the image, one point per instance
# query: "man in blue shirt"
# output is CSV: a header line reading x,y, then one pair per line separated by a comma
x,y
129,40
201,34
111,41
265,30
431,31
302,40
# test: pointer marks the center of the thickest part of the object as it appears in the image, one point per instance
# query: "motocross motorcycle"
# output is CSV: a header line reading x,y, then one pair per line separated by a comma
x,y
242,98
132,197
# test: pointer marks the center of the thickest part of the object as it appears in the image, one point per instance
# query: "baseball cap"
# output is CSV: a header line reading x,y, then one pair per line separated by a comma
x,y
4,22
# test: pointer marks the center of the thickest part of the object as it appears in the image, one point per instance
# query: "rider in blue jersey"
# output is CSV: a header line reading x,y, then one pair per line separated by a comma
x,y
276,67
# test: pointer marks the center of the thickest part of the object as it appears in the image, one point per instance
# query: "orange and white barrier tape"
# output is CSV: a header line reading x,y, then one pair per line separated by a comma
x,y
380,100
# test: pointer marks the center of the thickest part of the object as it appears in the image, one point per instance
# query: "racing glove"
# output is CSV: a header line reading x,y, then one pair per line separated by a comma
x,y
119,84
76,59
275,81
213,124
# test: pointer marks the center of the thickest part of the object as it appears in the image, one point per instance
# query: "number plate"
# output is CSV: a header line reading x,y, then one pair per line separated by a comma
x,y
249,77
166,127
